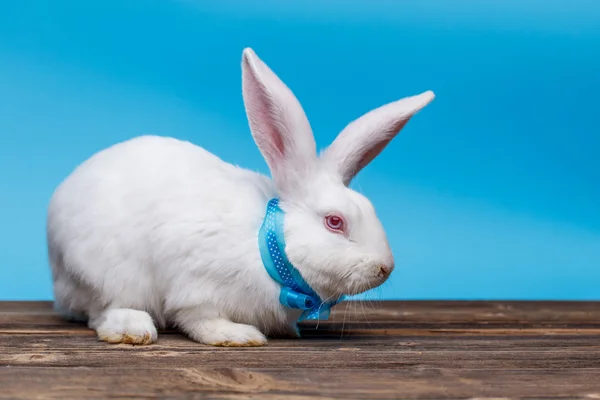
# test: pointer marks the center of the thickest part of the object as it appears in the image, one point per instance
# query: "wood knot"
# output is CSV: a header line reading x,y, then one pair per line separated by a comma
x,y
240,380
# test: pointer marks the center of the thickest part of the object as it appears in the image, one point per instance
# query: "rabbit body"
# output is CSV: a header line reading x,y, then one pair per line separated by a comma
x,y
156,232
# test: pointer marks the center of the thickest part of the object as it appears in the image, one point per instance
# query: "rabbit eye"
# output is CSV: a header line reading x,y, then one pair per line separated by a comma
x,y
334,223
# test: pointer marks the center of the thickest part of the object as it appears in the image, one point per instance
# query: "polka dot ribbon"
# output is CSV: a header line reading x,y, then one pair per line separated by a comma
x,y
295,292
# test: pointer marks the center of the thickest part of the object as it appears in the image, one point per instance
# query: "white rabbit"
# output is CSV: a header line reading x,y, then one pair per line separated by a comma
x,y
155,232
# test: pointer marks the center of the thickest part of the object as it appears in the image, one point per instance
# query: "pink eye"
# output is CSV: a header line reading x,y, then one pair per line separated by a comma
x,y
334,223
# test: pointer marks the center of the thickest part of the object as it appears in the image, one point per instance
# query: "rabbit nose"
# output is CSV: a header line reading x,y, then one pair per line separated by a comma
x,y
384,271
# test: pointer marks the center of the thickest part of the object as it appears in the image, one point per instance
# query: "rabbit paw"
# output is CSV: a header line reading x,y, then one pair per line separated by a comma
x,y
123,325
224,333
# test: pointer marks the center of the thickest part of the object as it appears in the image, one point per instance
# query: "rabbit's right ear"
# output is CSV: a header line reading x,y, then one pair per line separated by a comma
x,y
278,123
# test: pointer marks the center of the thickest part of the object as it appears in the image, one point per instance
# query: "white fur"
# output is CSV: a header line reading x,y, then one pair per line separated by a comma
x,y
155,230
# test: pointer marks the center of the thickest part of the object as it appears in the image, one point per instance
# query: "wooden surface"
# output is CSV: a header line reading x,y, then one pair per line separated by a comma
x,y
385,350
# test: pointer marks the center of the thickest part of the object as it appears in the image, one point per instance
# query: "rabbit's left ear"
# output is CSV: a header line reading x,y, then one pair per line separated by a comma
x,y
363,139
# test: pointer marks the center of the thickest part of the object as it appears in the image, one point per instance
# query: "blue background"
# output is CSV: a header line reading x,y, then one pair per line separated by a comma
x,y
491,192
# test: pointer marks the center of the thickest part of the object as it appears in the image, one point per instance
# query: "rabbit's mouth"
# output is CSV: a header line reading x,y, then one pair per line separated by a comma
x,y
359,279
363,277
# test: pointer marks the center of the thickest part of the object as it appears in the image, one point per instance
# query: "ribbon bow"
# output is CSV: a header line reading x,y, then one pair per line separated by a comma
x,y
295,292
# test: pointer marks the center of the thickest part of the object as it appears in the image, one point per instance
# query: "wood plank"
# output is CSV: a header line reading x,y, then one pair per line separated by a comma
x,y
297,383
372,315
404,350
177,351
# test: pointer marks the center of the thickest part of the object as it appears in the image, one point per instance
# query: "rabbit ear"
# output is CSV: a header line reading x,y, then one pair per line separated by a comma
x,y
363,139
278,123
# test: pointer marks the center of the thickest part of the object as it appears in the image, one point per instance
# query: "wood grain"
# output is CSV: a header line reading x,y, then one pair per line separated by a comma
x,y
403,350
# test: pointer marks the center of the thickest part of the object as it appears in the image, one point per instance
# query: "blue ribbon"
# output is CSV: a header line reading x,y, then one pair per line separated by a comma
x,y
295,292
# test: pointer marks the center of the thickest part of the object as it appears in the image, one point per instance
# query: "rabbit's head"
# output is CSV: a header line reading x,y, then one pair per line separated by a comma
x,y
333,235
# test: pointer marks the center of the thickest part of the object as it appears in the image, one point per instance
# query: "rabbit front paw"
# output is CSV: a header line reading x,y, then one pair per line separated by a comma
x,y
224,333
